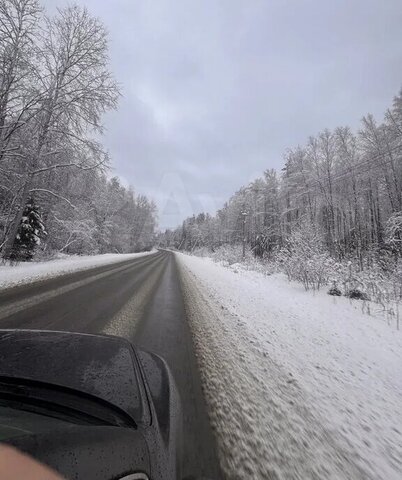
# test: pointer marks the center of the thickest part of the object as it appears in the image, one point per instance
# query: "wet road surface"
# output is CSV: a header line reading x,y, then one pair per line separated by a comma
x,y
140,299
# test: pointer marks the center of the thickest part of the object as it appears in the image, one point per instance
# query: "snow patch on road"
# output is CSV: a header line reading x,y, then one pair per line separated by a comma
x,y
299,385
27,272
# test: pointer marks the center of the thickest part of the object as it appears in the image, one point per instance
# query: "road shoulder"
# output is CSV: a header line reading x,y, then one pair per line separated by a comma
x,y
279,402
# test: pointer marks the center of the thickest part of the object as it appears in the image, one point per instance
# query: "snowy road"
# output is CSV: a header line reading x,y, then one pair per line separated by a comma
x,y
140,299
298,386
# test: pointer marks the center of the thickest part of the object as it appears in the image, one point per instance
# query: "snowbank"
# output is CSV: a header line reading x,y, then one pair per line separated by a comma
x,y
11,275
299,385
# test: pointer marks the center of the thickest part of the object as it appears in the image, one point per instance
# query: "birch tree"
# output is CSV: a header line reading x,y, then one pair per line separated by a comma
x,y
19,21
77,88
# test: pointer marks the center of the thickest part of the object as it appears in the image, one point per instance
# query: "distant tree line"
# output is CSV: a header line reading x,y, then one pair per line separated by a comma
x,y
55,86
346,186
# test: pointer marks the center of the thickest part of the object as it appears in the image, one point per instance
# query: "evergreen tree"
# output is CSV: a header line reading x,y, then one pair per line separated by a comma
x,y
30,232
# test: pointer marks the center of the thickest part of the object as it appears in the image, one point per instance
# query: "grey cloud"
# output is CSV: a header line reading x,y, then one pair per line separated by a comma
x,y
215,91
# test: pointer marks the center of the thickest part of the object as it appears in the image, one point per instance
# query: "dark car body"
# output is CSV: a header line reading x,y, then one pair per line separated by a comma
x,y
90,406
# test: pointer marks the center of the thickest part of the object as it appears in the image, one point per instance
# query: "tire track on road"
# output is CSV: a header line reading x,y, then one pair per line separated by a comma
x,y
12,307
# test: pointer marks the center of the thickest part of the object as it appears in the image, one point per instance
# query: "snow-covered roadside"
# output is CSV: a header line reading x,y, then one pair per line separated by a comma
x,y
32,271
299,386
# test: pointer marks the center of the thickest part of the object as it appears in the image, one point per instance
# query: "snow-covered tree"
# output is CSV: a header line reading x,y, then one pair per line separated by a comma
x,y
30,232
345,186
393,231
304,258
76,88
55,86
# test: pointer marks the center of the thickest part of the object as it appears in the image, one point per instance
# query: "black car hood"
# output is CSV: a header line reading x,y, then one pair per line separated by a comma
x,y
97,365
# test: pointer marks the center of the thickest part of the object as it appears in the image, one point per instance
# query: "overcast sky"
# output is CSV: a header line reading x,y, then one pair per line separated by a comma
x,y
214,91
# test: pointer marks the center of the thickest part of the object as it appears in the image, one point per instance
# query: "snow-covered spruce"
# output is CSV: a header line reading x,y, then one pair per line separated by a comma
x,y
30,232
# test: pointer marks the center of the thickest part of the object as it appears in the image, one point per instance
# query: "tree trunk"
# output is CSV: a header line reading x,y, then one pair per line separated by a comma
x,y
15,224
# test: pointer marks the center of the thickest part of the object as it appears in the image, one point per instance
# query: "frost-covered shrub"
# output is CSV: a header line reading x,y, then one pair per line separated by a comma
x,y
334,291
304,259
231,254
357,294
202,252
393,232
372,282
377,281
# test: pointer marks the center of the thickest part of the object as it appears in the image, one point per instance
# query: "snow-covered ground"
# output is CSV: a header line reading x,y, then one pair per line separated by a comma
x,y
299,385
26,272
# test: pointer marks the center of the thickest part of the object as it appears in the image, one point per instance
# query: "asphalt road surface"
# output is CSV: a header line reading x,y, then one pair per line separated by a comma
x,y
140,299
